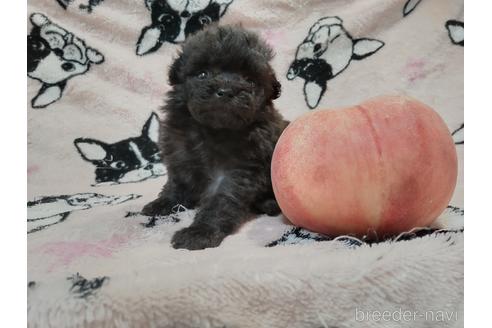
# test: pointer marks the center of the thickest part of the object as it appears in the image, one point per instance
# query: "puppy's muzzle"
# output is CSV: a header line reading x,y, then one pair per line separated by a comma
x,y
229,92
229,85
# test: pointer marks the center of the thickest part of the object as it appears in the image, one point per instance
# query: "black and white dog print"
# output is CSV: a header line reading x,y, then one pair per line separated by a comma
x,y
459,135
174,20
456,32
410,5
326,52
153,220
46,211
300,236
130,160
83,288
87,6
55,55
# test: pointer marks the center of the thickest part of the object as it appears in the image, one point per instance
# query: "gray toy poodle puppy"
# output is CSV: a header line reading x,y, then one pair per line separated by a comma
x,y
218,134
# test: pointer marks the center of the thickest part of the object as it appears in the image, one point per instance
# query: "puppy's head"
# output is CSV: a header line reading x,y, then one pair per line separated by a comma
x,y
224,76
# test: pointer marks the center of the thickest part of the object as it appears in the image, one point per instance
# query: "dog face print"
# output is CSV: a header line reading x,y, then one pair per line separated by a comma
x,y
129,160
326,52
174,20
47,211
87,5
456,32
55,55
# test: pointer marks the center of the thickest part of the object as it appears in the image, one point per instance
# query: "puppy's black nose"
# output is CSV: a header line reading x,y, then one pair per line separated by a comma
x,y
185,14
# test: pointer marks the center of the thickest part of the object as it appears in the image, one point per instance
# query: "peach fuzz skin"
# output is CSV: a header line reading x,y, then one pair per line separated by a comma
x,y
382,167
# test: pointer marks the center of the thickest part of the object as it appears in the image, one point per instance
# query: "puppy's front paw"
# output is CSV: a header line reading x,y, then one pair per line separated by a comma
x,y
159,206
197,237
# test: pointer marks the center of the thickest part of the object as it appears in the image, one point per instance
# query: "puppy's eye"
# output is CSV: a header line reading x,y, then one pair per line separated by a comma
x,y
204,20
202,75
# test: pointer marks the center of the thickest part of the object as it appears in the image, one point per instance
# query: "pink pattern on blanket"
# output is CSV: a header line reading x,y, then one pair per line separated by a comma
x,y
272,37
32,169
65,252
418,69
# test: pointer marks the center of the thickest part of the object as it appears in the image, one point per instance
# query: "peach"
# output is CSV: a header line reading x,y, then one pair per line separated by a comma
x,y
384,167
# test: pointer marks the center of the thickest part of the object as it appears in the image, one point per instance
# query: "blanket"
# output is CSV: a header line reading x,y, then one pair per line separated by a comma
x,y
97,75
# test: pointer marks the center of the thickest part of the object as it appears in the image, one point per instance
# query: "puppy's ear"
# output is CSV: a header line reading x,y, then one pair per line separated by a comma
x,y
276,88
175,76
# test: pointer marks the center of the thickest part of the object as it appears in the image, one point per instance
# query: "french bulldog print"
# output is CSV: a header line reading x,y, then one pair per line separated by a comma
x,y
456,32
174,20
54,56
130,160
46,211
324,54
410,5
86,6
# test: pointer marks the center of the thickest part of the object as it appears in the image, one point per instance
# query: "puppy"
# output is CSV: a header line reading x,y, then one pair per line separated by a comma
x,y
218,134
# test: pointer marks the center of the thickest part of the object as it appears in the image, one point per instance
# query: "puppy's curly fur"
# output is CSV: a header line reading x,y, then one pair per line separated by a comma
x,y
218,134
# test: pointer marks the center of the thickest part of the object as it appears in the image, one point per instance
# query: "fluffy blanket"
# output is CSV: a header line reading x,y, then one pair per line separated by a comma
x,y
97,74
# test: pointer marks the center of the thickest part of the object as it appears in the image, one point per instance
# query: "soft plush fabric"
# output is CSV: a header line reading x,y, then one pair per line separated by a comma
x,y
97,74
